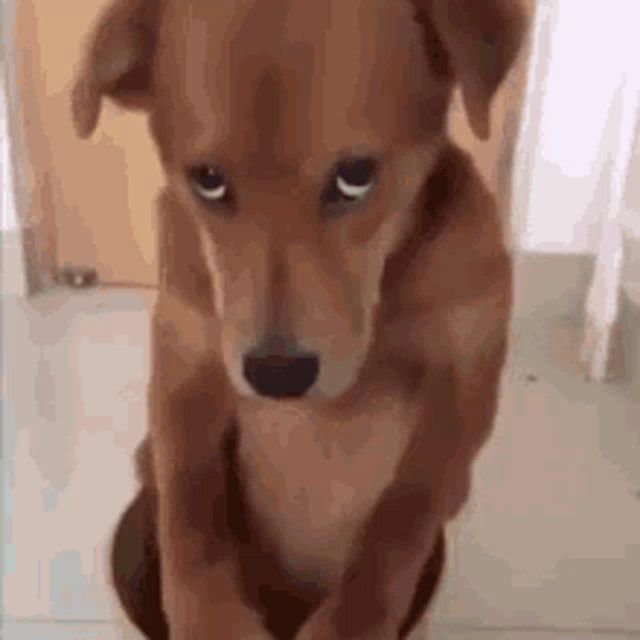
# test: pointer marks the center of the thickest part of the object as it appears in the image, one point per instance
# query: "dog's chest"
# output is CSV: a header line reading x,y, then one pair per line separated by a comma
x,y
312,480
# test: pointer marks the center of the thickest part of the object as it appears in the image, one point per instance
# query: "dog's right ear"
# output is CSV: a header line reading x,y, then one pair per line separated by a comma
x,y
478,40
118,62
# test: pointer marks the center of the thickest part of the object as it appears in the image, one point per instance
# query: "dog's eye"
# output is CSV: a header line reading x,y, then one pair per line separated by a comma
x,y
352,180
210,184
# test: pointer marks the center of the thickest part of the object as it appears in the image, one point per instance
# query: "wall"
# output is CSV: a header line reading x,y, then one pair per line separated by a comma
x,y
93,202
13,278
9,218
580,53
12,272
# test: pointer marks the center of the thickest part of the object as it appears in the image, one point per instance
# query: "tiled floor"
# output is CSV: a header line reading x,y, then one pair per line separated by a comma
x,y
550,541
103,631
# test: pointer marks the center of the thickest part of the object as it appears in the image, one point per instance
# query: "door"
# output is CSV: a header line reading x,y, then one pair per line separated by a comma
x,y
94,201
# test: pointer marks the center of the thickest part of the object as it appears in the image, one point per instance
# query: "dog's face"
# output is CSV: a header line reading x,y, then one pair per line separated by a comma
x,y
297,150
295,137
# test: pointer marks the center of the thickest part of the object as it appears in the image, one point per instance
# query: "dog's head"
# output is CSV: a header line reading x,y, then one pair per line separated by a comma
x,y
295,136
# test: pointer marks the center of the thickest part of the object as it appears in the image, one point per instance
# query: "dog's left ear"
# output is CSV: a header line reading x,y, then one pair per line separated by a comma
x,y
118,62
482,39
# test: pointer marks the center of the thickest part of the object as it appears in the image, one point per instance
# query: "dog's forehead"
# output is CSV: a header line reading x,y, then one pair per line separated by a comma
x,y
291,76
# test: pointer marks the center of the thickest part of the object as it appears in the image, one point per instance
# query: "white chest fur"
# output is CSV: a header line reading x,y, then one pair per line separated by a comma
x,y
313,478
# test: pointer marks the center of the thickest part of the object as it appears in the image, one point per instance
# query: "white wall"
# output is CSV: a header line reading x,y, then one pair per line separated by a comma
x,y
12,264
8,216
581,51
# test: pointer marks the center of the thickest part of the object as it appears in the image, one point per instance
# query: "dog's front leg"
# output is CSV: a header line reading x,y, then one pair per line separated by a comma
x,y
201,589
397,540
431,485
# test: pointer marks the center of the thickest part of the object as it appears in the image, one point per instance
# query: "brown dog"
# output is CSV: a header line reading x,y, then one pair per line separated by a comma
x,y
333,307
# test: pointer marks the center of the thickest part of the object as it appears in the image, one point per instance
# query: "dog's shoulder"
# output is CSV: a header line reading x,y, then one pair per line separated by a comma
x,y
453,275
455,188
469,236
457,229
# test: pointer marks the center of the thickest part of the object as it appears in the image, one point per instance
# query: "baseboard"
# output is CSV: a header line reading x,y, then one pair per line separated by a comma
x,y
633,292
557,285
12,264
631,223
551,283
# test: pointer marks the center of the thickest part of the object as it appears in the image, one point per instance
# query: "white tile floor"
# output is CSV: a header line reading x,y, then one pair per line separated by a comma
x,y
550,541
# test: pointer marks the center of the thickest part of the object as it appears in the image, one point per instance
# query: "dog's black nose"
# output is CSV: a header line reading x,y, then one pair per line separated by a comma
x,y
281,376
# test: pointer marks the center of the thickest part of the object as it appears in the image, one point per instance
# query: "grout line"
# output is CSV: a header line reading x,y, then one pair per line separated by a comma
x,y
633,633
50,621
105,284
624,633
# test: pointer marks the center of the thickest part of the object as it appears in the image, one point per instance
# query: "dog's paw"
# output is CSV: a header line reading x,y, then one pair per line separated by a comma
x,y
246,626
230,621
324,625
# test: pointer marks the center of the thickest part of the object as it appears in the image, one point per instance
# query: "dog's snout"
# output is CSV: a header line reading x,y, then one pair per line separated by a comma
x,y
280,373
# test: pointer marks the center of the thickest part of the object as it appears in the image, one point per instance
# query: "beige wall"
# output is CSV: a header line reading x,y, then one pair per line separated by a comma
x,y
93,200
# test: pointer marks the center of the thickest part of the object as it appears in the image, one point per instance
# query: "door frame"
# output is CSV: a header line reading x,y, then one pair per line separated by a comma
x,y
35,238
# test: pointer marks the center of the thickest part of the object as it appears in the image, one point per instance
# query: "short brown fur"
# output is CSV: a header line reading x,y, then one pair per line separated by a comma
x,y
320,518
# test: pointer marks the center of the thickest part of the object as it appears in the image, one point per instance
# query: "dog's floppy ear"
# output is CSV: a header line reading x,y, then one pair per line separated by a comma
x,y
118,62
482,39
